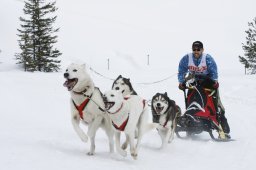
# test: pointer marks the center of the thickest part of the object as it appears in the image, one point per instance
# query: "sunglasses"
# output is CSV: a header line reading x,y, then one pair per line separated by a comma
x,y
196,49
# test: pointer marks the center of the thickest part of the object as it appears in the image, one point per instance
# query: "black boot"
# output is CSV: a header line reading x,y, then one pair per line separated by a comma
x,y
224,122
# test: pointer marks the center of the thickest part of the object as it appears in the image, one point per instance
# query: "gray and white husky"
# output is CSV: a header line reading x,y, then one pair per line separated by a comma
x,y
165,113
86,106
123,85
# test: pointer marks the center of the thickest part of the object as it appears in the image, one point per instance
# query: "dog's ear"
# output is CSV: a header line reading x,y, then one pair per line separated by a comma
x,y
120,76
127,81
157,94
165,94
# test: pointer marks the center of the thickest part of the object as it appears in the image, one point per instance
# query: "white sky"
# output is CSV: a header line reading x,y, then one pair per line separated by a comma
x,y
164,29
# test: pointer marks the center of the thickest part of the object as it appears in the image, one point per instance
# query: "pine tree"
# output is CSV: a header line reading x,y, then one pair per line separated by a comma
x,y
37,37
249,61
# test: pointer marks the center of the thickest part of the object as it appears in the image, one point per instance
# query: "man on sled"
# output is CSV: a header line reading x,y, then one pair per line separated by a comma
x,y
203,66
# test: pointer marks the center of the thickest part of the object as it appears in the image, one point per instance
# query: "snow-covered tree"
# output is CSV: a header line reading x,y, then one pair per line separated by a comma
x,y
249,59
37,37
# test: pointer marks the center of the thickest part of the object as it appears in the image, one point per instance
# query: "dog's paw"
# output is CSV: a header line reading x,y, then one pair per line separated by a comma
x,y
122,152
170,140
84,138
90,153
134,155
163,146
124,146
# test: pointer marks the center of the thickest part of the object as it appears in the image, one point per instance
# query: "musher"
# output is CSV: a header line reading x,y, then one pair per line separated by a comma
x,y
202,64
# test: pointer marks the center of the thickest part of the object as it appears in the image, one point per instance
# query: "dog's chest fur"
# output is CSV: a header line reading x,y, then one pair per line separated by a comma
x,y
166,119
121,116
133,108
164,122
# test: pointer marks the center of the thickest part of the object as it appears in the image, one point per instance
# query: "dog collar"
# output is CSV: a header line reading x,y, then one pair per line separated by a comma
x,y
82,92
117,109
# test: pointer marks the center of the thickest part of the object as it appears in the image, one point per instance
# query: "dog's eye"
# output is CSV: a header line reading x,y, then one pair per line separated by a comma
x,y
165,102
122,83
112,95
66,70
75,70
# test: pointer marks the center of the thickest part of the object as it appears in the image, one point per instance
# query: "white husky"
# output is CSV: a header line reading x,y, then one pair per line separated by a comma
x,y
127,115
86,106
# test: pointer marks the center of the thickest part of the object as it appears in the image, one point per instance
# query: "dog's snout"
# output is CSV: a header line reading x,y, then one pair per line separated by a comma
x,y
158,104
104,98
117,88
66,75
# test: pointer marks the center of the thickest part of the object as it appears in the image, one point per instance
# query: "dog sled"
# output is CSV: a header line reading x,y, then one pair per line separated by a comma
x,y
202,113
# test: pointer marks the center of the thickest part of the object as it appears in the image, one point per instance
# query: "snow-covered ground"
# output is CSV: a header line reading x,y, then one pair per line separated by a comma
x,y
36,131
35,128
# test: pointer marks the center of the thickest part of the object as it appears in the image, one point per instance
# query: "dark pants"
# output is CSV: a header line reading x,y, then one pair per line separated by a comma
x,y
221,112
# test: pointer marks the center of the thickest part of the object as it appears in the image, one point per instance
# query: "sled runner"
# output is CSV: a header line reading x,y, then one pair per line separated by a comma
x,y
202,113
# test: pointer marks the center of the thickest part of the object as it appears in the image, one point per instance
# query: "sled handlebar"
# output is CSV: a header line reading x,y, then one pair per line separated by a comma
x,y
192,87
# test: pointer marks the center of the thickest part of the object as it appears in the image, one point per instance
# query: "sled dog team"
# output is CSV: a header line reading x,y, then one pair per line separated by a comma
x,y
119,110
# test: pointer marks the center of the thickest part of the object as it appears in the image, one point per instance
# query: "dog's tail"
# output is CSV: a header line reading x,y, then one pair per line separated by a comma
x,y
146,128
149,126
144,121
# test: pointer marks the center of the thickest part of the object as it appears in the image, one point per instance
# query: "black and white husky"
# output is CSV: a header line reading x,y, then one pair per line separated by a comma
x,y
123,85
165,113
86,106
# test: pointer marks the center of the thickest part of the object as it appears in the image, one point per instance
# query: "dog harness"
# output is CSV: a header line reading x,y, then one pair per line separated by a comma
x,y
81,107
123,125
177,110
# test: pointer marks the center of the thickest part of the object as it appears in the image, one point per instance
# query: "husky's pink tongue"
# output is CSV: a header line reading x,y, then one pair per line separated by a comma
x,y
65,84
70,83
159,109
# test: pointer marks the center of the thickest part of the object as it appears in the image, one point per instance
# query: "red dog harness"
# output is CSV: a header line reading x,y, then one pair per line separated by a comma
x,y
123,125
81,107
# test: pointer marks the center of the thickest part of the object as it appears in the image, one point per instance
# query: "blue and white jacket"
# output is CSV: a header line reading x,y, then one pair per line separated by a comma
x,y
209,68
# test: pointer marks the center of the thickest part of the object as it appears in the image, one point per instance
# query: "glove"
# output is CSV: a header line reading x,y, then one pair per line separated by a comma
x,y
215,85
182,86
